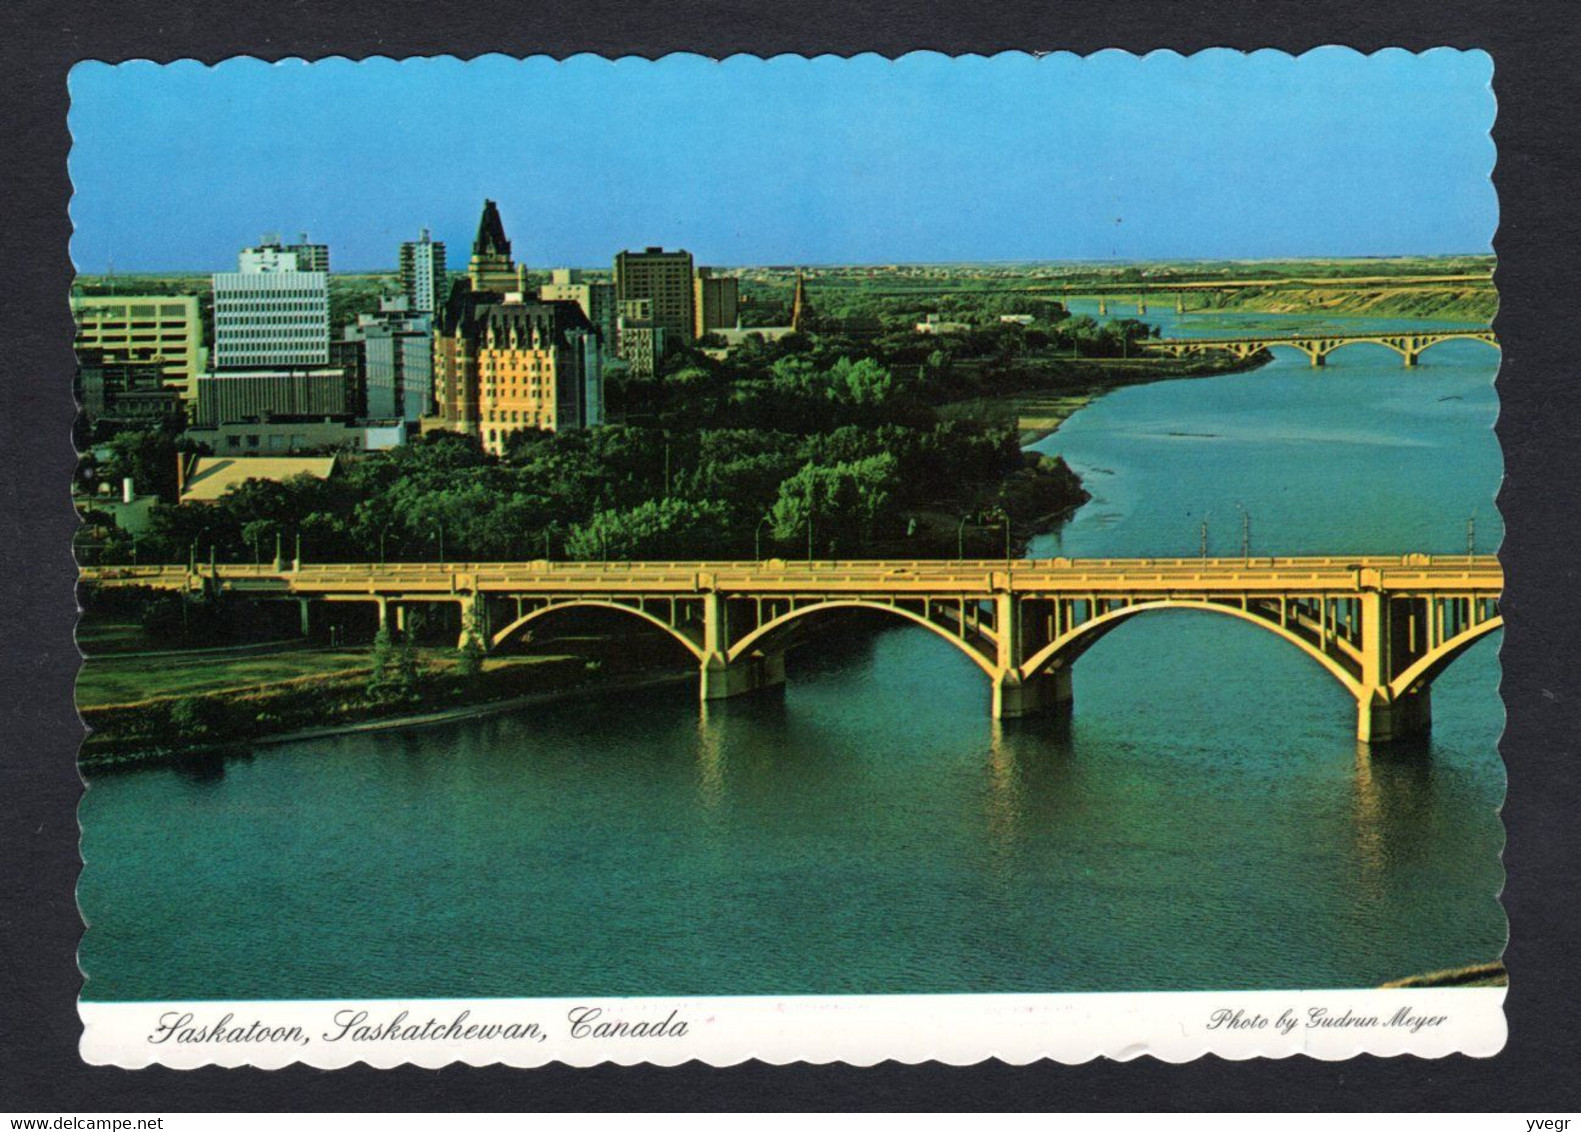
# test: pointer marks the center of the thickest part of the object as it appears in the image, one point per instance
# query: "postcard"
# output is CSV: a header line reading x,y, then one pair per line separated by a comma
x,y
807,559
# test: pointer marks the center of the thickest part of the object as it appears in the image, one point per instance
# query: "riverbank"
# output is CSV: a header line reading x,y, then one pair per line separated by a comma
x,y
99,761
1469,304
1038,413
1491,974
189,704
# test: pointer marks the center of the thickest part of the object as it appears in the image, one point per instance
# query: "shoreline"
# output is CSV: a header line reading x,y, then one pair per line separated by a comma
x,y
1049,409
153,755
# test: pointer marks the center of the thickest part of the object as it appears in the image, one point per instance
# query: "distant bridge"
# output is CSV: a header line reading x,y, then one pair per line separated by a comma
x,y
1318,347
1384,627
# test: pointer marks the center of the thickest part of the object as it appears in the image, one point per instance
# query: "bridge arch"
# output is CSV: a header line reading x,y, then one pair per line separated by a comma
x,y
526,619
1066,649
764,632
1428,668
1397,350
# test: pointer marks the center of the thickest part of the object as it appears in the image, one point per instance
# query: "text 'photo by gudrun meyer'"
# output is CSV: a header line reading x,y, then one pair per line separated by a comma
x,y
833,559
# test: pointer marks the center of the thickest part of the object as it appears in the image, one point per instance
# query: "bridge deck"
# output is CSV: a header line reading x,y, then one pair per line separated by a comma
x,y
1380,336
1329,573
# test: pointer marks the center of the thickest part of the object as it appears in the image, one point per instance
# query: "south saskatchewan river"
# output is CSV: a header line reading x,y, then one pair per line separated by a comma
x,y
1202,819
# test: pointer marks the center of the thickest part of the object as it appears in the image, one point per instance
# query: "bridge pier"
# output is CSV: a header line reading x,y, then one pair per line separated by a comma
x,y
721,680
1015,698
474,621
303,606
1380,721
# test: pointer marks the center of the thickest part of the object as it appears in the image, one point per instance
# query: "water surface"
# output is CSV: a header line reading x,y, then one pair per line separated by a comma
x,y
1201,819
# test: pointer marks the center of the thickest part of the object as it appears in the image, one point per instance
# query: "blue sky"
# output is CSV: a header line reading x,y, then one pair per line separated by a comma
x,y
789,160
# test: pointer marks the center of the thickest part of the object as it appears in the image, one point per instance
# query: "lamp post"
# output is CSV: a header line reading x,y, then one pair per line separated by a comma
x,y
440,527
1246,531
384,530
960,538
1009,561
757,540
192,549
1471,535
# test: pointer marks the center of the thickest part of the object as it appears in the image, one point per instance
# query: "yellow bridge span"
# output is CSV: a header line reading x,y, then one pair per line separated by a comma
x,y
1317,347
1382,626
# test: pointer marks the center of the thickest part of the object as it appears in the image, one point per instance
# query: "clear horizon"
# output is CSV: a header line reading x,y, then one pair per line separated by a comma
x,y
460,267
1008,160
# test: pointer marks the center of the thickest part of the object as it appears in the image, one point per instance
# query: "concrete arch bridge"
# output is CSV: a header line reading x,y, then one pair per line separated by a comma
x,y
1382,626
1317,347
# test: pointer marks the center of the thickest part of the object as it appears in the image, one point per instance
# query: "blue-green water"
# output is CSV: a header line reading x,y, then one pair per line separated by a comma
x,y
1202,819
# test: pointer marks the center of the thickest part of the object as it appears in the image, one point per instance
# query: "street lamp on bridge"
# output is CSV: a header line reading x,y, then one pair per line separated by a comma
x,y
757,538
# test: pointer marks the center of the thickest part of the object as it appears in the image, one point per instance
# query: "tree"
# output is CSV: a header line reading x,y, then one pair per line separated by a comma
x,y
654,529
407,671
147,456
863,382
381,676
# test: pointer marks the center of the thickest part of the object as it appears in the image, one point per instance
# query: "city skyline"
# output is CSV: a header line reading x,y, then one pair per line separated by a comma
x,y
1021,160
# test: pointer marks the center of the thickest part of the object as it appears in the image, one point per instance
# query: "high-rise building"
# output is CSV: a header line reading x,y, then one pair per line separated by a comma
x,y
162,329
491,267
597,300
270,313
120,392
665,279
310,257
639,340
397,362
504,363
423,274
717,302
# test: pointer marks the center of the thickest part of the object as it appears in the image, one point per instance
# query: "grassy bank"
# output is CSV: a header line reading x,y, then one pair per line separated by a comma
x,y
106,682
1463,303
150,709
166,727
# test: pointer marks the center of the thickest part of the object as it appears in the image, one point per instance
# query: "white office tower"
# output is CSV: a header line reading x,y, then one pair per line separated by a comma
x,y
269,313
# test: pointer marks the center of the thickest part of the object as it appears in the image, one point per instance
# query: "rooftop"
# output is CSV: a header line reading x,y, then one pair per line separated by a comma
x,y
212,476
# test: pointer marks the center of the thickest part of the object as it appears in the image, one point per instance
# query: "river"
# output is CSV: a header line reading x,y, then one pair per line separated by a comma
x,y
1202,818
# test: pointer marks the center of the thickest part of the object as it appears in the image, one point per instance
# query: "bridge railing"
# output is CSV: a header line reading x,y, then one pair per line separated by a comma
x,y
1271,573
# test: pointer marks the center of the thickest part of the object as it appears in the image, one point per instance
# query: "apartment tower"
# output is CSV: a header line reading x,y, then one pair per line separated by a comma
x,y
665,280
423,274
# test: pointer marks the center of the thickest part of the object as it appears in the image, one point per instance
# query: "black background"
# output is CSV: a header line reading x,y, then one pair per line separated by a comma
x,y
1537,65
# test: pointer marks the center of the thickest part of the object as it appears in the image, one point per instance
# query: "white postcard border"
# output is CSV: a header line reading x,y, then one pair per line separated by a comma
x,y
859,1030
